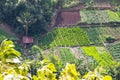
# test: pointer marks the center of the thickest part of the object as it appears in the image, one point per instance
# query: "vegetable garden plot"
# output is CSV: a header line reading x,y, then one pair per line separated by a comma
x,y
47,39
99,16
65,37
102,57
93,35
114,50
110,31
66,55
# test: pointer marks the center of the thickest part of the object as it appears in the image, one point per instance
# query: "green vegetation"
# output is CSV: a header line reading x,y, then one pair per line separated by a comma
x,y
66,55
113,16
93,35
72,3
99,16
12,68
106,32
102,57
65,37
40,10
114,50
5,35
69,3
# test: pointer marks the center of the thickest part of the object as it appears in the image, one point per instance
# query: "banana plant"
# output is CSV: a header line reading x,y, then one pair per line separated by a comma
x,y
26,19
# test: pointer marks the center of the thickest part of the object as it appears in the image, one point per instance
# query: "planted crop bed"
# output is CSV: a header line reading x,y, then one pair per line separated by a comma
x,y
66,55
99,16
100,55
93,35
109,31
65,37
114,50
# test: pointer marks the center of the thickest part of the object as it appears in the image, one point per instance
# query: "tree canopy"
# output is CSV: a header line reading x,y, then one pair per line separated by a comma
x,y
40,10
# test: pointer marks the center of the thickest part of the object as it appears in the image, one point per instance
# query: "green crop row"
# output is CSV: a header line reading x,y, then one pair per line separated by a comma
x,y
114,50
99,16
77,36
93,35
66,55
65,37
109,31
102,57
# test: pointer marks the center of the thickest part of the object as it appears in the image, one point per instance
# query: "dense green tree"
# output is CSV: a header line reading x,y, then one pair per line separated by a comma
x,y
40,10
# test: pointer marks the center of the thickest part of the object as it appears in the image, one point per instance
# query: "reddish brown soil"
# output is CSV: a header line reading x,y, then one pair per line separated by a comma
x,y
6,28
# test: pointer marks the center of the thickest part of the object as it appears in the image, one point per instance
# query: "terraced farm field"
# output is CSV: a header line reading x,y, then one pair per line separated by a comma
x,y
110,31
100,54
93,35
114,50
99,16
65,37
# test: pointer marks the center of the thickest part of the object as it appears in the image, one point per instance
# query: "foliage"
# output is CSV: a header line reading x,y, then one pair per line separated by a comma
x,y
70,3
46,73
93,35
41,10
115,71
98,74
66,55
110,39
102,57
113,16
65,37
114,50
26,19
4,35
10,65
109,31
11,68
69,73
99,16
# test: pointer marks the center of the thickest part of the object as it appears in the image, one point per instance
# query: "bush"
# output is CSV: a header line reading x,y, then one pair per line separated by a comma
x,y
12,68
110,39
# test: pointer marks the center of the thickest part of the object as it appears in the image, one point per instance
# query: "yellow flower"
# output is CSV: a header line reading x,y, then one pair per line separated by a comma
x,y
107,78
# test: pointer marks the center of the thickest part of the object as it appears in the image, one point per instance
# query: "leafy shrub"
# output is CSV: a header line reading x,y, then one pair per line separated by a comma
x,y
110,39
12,68
97,75
69,73
10,65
